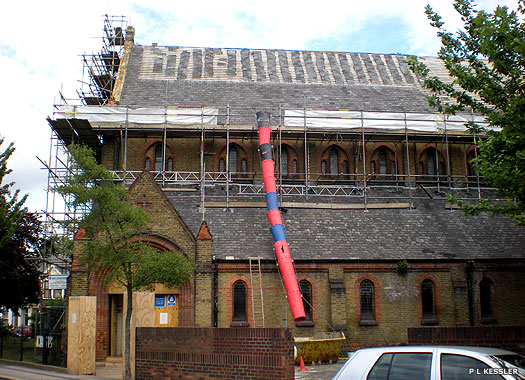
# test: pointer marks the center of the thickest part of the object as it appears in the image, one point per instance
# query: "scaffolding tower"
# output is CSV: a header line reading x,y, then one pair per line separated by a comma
x,y
98,79
100,69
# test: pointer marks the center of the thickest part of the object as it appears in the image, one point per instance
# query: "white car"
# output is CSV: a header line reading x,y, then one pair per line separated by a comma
x,y
433,363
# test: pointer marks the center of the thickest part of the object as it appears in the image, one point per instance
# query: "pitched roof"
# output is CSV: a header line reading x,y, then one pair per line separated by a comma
x,y
429,231
251,80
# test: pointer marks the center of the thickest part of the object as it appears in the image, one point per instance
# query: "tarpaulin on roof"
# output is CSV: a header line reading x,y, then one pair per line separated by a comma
x,y
343,119
141,115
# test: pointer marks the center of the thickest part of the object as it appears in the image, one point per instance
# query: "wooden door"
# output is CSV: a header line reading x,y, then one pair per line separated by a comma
x,y
116,317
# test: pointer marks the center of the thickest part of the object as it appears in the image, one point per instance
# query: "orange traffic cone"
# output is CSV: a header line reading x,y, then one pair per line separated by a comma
x,y
301,365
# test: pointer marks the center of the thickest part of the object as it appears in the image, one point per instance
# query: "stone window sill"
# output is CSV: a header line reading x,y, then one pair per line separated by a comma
x,y
305,324
488,320
239,324
368,323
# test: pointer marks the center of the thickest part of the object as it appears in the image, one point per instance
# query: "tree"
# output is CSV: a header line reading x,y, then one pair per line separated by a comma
x,y
114,227
486,60
20,238
19,274
11,212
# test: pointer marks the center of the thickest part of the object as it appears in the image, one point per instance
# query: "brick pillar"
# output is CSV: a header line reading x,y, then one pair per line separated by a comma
x,y
78,280
337,298
204,278
460,295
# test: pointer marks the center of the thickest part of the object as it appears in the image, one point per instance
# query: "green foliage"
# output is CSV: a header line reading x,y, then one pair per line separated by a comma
x,y
11,211
18,271
402,267
20,239
486,60
115,227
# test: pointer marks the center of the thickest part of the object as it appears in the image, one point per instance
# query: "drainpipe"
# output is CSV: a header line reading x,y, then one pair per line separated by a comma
x,y
215,291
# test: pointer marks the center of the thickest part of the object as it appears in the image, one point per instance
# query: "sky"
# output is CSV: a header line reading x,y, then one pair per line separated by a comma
x,y
41,44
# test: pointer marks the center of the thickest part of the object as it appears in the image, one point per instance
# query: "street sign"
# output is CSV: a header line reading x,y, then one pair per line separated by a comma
x,y
57,282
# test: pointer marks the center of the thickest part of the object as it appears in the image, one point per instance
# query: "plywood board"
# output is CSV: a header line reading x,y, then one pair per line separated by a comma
x,y
143,316
81,341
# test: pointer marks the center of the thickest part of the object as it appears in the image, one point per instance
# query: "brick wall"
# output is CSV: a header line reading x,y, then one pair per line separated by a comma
x,y
506,337
207,353
185,153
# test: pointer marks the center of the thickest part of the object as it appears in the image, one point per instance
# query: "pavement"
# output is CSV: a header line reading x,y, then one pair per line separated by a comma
x,y
319,372
12,370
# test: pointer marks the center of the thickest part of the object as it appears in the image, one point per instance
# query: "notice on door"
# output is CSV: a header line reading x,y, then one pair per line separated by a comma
x,y
163,318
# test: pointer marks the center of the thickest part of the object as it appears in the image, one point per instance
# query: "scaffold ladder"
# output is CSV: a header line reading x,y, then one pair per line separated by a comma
x,y
256,261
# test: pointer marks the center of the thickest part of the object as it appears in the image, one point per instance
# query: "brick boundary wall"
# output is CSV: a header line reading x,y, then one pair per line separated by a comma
x,y
214,353
510,338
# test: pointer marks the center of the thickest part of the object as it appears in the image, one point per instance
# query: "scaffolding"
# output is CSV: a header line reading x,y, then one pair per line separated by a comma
x,y
362,185
100,69
93,117
98,79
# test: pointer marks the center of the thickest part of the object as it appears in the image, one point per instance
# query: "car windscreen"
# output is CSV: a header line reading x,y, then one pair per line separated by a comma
x,y
515,360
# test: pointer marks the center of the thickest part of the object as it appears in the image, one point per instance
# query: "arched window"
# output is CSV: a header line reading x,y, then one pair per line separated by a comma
x,y
306,291
153,157
158,157
294,168
366,292
233,158
383,162
284,161
334,161
383,167
239,302
432,163
428,301
236,163
486,299
471,170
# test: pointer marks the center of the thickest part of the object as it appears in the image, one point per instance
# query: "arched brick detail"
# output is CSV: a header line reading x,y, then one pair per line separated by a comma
x,y
229,298
437,296
297,156
315,300
441,156
493,283
424,147
221,153
158,242
170,151
357,295
372,150
99,288
345,148
466,162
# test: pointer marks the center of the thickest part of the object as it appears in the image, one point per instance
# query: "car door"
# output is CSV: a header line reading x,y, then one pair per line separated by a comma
x,y
410,364
466,366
